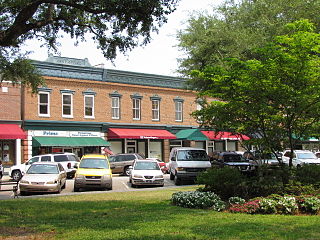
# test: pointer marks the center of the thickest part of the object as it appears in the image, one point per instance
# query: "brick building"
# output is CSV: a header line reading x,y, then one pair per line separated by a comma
x,y
83,109
10,124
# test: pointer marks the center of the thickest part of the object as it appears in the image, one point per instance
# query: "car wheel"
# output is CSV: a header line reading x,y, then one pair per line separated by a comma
x,y
177,181
76,189
171,176
133,185
126,171
16,175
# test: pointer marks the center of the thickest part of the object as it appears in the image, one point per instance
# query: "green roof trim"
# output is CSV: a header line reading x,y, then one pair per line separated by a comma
x,y
68,141
191,134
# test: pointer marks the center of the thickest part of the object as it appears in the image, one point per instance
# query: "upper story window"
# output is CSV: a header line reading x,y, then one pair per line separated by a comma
x,y
178,106
44,102
136,106
89,103
115,105
155,107
67,103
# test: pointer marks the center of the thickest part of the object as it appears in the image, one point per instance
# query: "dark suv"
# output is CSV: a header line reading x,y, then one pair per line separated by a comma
x,y
232,159
121,162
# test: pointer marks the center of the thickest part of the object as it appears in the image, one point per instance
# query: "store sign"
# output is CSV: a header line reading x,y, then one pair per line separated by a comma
x,y
49,133
148,137
84,134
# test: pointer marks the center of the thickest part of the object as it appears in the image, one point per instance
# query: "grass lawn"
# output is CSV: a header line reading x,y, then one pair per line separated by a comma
x,y
140,215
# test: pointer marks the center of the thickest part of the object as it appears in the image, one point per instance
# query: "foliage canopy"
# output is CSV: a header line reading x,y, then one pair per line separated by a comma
x,y
115,26
275,97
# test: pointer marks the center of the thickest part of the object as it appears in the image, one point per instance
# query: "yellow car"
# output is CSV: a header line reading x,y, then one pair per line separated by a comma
x,y
93,172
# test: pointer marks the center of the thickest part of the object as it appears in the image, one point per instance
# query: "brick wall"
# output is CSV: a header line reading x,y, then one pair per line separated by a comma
x,y
10,97
103,102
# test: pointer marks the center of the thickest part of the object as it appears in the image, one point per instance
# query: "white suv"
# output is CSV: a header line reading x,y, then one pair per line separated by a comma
x,y
300,157
67,160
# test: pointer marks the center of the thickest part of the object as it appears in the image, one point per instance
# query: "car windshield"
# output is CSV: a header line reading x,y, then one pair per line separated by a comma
x,y
307,155
233,158
43,169
192,155
146,166
94,163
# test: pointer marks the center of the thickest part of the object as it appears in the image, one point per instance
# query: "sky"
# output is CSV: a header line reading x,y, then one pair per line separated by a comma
x,y
158,57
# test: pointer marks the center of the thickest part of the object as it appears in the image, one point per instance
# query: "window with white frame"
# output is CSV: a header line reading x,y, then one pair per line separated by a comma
x,y
89,106
67,105
155,110
136,108
44,104
115,107
178,111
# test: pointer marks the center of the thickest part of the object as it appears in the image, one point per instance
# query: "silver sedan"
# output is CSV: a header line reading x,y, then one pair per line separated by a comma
x,y
43,177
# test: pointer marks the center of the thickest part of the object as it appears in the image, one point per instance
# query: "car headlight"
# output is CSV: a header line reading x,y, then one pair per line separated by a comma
x,y
79,176
52,182
180,169
159,176
24,181
137,176
107,176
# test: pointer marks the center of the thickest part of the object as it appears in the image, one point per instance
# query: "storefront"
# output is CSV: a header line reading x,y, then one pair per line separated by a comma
x,y
148,142
10,143
190,138
77,142
223,141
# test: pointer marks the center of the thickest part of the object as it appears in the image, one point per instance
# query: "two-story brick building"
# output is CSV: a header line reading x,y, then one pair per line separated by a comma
x,y
83,109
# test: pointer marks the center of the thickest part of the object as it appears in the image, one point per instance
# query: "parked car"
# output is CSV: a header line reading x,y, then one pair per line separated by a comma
x,y
300,157
93,172
43,177
232,159
268,159
121,162
185,163
146,172
67,160
162,164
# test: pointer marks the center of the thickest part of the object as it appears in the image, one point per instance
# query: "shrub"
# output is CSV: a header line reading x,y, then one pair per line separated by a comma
x,y
226,182
248,207
286,204
197,199
297,188
308,174
267,206
309,204
236,200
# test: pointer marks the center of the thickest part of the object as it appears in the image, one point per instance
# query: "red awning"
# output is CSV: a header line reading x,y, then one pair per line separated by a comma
x,y
224,136
11,131
139,133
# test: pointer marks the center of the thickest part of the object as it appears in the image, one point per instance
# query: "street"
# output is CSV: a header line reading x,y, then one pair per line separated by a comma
x,y
120,184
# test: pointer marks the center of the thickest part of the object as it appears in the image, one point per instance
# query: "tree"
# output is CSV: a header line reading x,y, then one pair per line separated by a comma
x,y
236,28
275,97
115,25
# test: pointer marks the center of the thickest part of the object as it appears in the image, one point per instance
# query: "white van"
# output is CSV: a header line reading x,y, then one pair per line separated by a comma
x,y
185,163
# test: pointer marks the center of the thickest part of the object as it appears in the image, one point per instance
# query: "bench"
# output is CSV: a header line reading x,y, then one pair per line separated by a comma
x,y
13,186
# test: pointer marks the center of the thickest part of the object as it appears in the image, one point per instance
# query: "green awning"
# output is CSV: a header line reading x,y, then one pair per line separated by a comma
x,y
68,141
191,134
